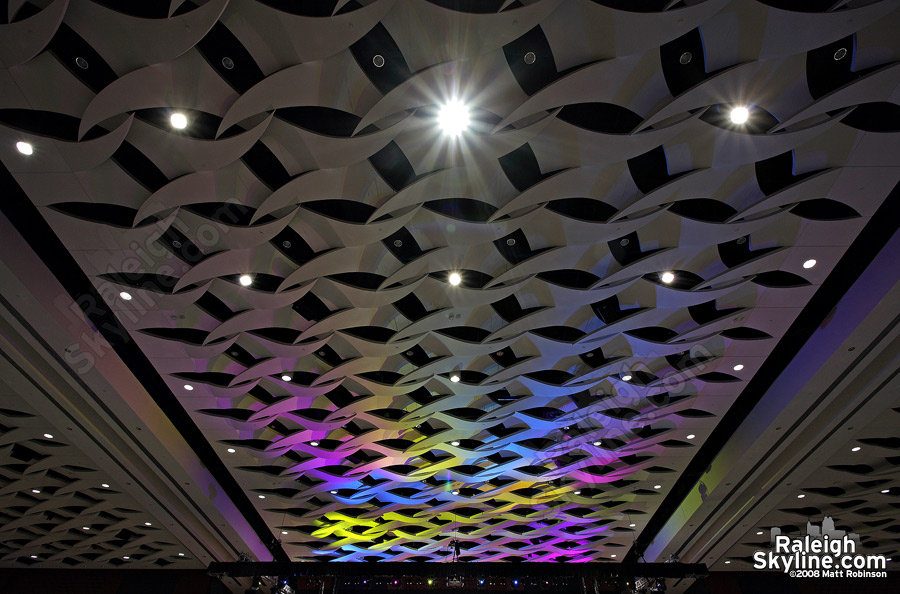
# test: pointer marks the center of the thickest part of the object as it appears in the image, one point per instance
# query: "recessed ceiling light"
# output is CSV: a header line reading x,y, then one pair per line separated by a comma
x,y
85,527
81,63
245,280
285,377
685,58
261,496
454,378
25,148
104,485
613,555
740,115
626,377
667,277
378,60
454,493
691,436
147,524
738,367
454,443
231,450
856,449
284,532
34,556
126,557
530,57
178,120
840,53
454,278
125,295
314,444
801,496
510,242
48,435
657,486
227,63
632,525
885,490
188,387
596,443
35,490
181,554
398,243
453,117
809,263
578,492
727,562
759,533
333,492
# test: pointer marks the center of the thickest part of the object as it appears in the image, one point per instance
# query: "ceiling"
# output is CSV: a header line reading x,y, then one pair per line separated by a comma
x,y
568,400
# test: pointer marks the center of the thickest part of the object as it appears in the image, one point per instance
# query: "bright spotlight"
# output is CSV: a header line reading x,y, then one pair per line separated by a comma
x,y
454,378
178,120
667,277
809,263
286,377
454,278
125,295
740,115
25,148
626,378
453,117
245,280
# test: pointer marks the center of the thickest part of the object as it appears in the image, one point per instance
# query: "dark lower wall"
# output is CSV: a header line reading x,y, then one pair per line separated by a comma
x,y
779,583
108,581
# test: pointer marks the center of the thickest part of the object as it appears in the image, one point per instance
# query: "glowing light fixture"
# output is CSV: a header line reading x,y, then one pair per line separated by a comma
x,y
885,490
856,449
85,527
657,486
125,295
801,496
35,490
759,533
333,492
104,485
178,120
454,492
632,525
284,532
597,443
245,280
48,435
454,443
691,436
667,277
231,450
453,117
578,492
454,378
25,148
613,555
286,377
738,367
809,263
454,278
181,554
262,496
147,524
626,377
314,444
740,115
188,387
